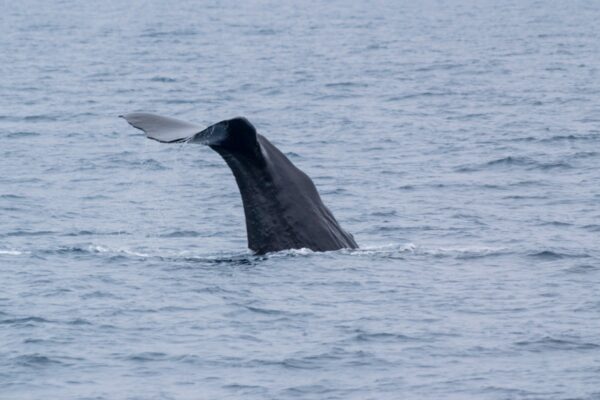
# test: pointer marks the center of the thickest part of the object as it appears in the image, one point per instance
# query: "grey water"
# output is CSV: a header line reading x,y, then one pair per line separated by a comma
x,y
458,141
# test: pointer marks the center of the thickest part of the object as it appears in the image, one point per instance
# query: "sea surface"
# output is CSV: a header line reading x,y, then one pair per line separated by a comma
x,y
459,141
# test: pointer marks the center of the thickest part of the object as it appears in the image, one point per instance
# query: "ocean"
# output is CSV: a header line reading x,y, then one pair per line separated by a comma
x,y
458,141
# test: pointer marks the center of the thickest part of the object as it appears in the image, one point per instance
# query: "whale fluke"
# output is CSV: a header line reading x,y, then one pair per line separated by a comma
x,y
162,129
282,207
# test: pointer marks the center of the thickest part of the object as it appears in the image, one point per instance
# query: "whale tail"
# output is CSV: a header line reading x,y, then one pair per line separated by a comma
x,y
282,206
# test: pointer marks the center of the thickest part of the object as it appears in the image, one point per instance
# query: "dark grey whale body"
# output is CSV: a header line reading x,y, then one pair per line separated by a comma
x,y
282,207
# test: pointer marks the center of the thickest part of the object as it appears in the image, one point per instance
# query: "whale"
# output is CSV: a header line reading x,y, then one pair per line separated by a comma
x,y
282,207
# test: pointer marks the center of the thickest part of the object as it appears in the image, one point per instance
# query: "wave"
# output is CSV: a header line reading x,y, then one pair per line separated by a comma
x,y
21,134
426,94
514,162
555,223
461,252
592,227
392,251
550,343
40,118
559,138
346,85
10,253
571,138
401,250
24,321
91,250
468,252
35,360
411,248
180,234
28,233
163,79
148,356
274,312
95,233
582,269
246,257
550,255
362,336
151,33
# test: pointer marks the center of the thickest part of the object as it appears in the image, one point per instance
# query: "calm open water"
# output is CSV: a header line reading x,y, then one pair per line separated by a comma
x,y
459,142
